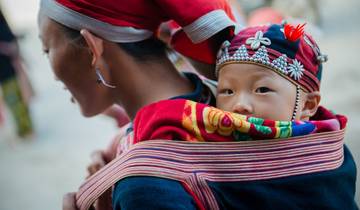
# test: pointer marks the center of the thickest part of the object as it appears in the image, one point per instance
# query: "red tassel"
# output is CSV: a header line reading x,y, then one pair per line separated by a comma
x,y
294,33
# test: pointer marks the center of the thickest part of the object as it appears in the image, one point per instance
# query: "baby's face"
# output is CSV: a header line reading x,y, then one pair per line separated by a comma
x,y
253,90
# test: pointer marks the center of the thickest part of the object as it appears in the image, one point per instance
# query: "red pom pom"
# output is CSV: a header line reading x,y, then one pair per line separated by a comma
x,y
294,33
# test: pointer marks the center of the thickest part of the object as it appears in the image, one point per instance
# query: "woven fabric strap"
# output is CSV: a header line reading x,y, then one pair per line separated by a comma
x,y
196,163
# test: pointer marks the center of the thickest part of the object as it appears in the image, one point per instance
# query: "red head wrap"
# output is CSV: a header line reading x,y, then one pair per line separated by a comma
x,y
136,20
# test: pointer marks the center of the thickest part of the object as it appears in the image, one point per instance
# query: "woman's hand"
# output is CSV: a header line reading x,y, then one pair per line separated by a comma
x,y
69,201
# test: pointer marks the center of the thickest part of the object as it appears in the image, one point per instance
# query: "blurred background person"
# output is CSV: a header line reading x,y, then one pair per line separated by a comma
x,y
15,87
262,12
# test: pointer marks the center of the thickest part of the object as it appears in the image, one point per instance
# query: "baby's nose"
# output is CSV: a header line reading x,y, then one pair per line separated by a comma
x,y
243,108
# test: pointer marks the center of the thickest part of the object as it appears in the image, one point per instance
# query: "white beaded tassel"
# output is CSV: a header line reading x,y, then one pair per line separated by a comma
x,y
297,100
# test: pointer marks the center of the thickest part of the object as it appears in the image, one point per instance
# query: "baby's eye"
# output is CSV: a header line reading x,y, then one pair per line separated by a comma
x,y
263,90
226,91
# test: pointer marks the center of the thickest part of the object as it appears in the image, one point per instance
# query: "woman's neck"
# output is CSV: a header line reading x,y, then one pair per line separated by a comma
x,y
141,83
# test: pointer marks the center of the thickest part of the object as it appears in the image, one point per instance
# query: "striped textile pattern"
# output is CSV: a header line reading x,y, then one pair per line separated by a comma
x,y
196,163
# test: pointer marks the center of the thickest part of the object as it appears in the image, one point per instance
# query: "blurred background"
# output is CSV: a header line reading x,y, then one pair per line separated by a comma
x,y
38,167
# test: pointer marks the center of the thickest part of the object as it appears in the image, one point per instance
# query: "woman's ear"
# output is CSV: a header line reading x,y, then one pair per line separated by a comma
x,y
310,106
95,45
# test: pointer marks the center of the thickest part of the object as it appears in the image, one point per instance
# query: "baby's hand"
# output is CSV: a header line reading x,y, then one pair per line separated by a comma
x,y
97,162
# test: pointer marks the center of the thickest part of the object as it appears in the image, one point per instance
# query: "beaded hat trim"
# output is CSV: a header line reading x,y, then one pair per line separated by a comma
x,y
292,68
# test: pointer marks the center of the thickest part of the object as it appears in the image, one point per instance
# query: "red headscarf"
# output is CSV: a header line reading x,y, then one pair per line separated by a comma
x,y
136,20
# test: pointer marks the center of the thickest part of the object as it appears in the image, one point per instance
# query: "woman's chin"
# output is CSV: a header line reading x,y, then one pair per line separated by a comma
x,y
89,113
92,111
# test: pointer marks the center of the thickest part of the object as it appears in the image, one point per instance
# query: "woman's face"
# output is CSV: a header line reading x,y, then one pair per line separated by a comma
x,y
256,91
71,64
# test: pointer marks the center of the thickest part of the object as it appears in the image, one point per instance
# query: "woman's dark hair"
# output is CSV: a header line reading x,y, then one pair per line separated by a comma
x,y
148,49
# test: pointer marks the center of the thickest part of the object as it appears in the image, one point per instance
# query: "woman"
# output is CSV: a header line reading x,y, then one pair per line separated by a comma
x,y
105,53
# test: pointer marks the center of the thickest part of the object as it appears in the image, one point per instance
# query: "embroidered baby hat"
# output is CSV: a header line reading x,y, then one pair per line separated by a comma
x,y
136,20
285,49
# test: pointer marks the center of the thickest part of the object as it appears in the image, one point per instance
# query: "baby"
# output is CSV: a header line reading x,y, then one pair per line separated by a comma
x,y
271,72
268,87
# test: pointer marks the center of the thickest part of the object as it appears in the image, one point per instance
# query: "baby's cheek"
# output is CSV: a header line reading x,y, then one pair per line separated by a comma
x,y
222,104
273,111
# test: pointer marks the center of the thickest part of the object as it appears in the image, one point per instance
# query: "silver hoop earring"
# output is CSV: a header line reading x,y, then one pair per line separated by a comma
x,y
101,79
297,100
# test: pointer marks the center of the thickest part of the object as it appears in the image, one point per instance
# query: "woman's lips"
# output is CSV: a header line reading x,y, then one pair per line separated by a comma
x,y
72,99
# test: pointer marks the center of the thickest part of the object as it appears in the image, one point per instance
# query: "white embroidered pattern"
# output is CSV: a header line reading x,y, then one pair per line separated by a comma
x,y
281,64
296,69
259,39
